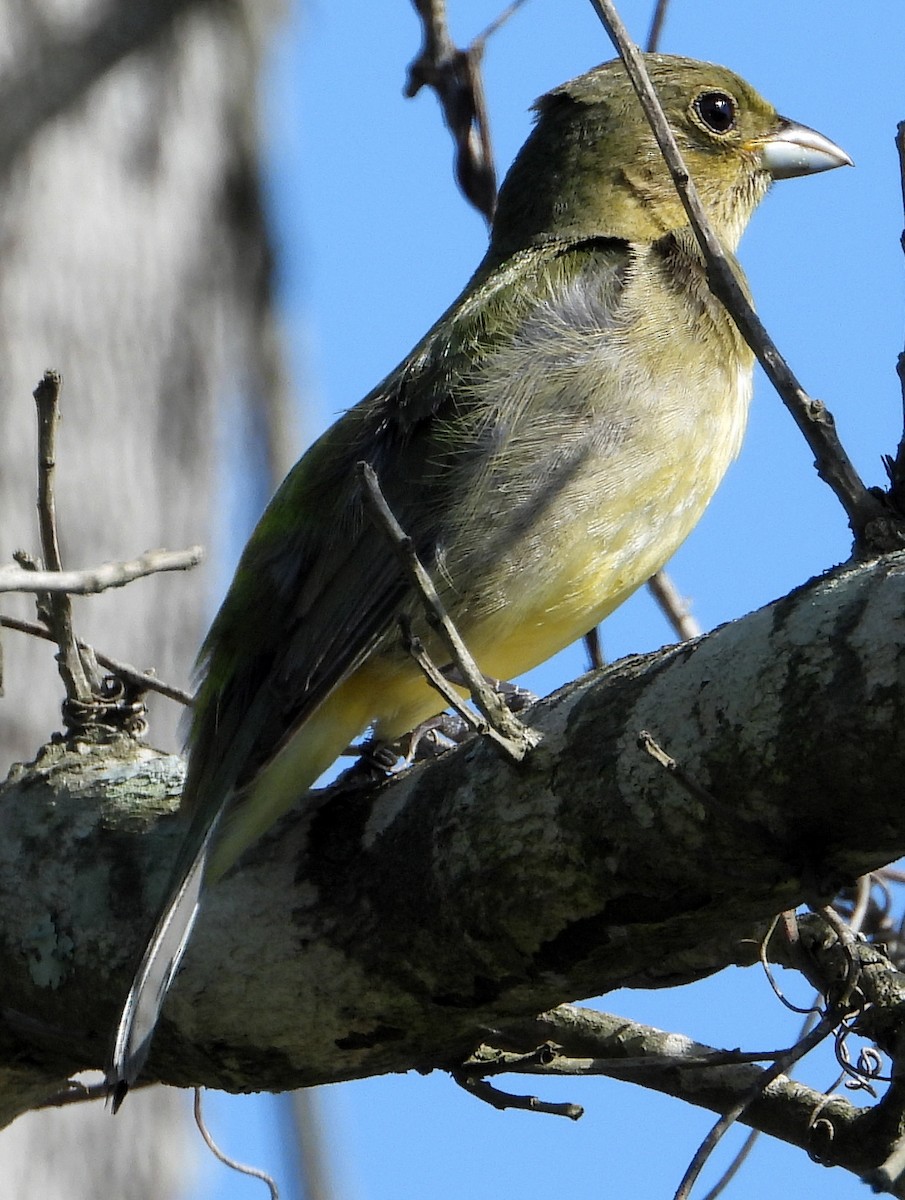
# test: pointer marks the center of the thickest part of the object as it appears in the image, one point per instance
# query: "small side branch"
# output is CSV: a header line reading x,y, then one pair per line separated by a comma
x,y
91,700
590,1042
895,467
503,727
92,580
656,27
141,681
500,1100
76,670
674,606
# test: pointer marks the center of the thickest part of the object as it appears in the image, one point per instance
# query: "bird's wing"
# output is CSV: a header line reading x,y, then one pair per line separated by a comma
x,y
318,584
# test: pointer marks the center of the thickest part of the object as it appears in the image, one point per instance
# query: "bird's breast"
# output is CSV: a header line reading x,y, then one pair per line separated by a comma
x,y
607,429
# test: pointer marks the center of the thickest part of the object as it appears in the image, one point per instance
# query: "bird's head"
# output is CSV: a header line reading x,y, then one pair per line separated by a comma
x,y
592,166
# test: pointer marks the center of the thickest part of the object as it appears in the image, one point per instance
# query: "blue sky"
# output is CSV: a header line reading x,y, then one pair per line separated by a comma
x,y
374,241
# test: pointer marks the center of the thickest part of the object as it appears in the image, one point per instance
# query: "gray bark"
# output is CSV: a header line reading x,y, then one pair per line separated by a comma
x,y
392,928
134,262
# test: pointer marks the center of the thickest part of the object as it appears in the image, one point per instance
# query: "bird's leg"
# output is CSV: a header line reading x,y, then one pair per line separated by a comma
x,y
440,733
374,761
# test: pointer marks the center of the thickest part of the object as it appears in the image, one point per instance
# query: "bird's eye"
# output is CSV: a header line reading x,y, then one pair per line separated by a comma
x,y
716,110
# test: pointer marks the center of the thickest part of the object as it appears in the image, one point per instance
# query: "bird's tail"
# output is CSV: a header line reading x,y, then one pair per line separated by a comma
x,y
155,973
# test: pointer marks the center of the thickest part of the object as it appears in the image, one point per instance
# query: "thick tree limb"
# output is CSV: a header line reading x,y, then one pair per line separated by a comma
x,y
392,929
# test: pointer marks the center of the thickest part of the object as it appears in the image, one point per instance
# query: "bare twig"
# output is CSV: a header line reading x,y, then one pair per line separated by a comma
x,y
734,1167
596,658
821,1030
502,1100
92,580
862,903
47,400
868,517
632,1067
76,1092
676,1066
674,606
141,680
75,671
830,1021
750,1141
242,1168
656,26
895,467
651,746
438,680
504,729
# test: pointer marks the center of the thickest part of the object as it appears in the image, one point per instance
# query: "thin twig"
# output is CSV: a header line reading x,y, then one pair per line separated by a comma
x,y
656,26
750,1141
651,746
821,1030
862,903
812,417
674,606
435,677
895,467
76,1092
735,1166
629,1067
142,680
828,1023
74,670
92,580
242,1168
47,400
505,730
485,1091
596,658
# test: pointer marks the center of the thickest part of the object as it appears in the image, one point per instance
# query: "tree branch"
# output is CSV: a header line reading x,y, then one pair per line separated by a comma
x,y
391,928
142,681
832,1130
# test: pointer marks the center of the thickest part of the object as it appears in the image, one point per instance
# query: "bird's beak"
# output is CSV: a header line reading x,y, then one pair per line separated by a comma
x,y
797,150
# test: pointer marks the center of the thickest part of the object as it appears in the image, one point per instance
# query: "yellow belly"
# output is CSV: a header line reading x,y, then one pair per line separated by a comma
x,y
546,609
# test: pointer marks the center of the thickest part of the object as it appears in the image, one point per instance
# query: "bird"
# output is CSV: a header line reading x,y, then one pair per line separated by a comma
x,y
547,446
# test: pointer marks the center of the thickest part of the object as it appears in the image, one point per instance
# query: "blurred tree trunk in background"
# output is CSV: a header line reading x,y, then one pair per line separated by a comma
x,y
133,259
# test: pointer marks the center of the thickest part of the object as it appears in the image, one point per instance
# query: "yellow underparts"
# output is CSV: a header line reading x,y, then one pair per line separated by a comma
x,y
564,596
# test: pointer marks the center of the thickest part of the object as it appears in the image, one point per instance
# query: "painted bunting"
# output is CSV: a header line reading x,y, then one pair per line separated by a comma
x,y
547,445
